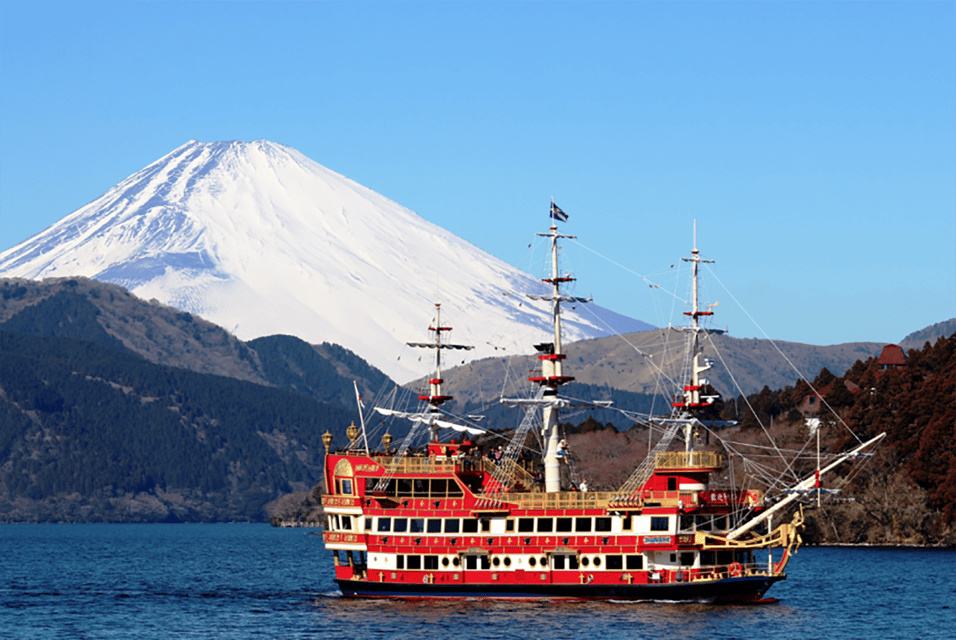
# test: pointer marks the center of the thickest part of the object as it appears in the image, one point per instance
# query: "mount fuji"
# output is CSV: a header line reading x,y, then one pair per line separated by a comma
x,y
261,240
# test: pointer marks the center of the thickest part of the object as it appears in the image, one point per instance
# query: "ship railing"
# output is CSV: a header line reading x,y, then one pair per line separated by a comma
x,y
688,460
734,570
560,500
422,465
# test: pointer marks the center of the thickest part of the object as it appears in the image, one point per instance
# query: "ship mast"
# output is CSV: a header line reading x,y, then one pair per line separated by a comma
x,y
551,356
691,396
433,395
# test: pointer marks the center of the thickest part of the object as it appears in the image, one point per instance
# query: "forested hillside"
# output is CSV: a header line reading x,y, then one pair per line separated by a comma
x,y
907,494
92,434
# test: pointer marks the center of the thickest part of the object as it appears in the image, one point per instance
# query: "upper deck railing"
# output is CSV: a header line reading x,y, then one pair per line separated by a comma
x,y
687,460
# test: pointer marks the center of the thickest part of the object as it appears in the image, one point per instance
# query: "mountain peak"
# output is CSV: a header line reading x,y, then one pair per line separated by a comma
x,y
261,240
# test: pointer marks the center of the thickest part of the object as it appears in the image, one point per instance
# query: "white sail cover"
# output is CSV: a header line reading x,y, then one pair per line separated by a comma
x,y
535,296
430,419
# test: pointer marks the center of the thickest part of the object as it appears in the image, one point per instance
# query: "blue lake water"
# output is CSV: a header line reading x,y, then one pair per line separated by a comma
x,y
255,581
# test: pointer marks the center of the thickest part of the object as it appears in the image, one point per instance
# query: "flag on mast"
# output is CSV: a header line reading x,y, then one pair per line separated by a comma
x,y
557,213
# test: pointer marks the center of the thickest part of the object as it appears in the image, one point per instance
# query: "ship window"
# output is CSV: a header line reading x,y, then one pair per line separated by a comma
x,y
686,523
451,525
563,525
597,561
391,488
558,562
635,562
414,562
707,558
471,562
485,565
627,523
614,563
431,563
585,562
660,523
532,561
401,525
399,562
582,525
703,523
346,523
507,561
384,524
573,563
673,558
345,486
434,525
687,558
404,487
418,525
469,525
672,484
525,525
496,561
439,488
602,524
720,523
725,557
444,562
485,525
454,490
509,525
421,487
368,524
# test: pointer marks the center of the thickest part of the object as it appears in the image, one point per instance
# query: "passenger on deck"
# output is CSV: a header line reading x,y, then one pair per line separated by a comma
x,y
563,450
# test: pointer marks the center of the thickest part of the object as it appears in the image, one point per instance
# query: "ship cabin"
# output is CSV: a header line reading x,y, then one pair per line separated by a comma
x,y
437,516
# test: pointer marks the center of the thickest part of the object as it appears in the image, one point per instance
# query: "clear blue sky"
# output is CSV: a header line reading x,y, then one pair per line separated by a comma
x,y
814,142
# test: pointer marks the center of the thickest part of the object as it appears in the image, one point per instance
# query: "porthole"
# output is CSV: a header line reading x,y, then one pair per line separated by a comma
x,y
544,561
507,562
532,561
455,561
584,561
444,562
496,561
597,561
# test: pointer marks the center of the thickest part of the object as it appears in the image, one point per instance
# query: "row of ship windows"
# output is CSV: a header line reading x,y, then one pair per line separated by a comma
x,y
404,487
585,524
690,523
562,561
559,562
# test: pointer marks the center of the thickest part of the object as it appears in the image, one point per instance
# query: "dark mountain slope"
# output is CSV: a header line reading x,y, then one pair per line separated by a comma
x,y
92,433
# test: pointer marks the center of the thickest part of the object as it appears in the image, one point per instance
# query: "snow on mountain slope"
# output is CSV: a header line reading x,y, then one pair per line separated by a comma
x,y
262,240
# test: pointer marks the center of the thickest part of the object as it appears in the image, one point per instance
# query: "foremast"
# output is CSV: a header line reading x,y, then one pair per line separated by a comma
x,y
433,395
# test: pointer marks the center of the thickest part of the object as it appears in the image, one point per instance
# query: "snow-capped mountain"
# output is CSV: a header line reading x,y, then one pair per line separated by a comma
x,y
261,240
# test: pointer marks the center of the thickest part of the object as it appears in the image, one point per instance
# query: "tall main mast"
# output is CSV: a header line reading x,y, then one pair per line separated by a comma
x,y
551,356
691,396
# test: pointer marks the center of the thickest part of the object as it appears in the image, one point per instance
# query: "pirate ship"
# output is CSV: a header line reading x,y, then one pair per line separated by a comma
x,y
442,521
